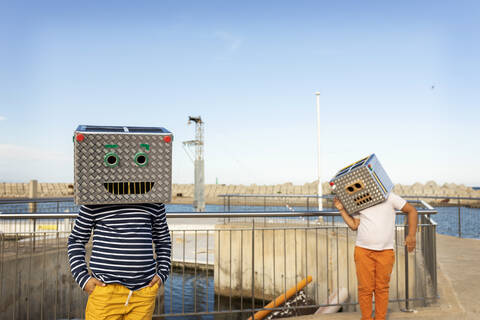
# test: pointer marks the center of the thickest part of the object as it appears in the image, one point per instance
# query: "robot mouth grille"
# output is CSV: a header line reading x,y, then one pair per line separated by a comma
x,y
128,187
363,198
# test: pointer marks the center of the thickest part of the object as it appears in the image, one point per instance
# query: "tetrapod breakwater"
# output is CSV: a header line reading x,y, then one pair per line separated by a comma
x,y
184,193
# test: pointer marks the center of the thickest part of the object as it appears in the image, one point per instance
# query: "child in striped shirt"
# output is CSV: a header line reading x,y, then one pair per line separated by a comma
x,y
125,274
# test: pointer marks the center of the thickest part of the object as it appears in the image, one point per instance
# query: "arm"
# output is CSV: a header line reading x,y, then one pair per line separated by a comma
x,y
353,223
412,215
163,243
76,246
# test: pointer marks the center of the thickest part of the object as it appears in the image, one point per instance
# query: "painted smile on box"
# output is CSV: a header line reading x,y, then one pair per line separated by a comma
x,y
119,188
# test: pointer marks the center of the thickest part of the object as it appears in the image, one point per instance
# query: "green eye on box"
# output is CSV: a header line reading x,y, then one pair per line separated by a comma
x,y
141,159
111,159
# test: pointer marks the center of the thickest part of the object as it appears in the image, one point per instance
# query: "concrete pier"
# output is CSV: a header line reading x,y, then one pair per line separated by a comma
x,y
458,283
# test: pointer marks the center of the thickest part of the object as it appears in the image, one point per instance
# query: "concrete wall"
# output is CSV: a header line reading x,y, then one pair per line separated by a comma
x,y
35,283
284,257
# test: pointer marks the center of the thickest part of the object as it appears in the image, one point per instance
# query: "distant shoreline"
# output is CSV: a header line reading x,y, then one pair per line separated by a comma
x,y
183,193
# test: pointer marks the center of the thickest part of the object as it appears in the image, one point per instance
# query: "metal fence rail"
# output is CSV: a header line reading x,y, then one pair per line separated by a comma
x,y
273,202
225,265
457,216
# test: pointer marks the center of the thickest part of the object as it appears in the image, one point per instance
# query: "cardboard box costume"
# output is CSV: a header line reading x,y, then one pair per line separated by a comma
x,y
114,165
362,184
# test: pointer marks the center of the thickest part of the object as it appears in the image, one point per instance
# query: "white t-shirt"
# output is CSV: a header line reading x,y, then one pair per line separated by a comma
x,y
377,224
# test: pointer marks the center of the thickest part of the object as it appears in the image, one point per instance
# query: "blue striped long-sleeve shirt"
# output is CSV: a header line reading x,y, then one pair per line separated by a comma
x,y
123,238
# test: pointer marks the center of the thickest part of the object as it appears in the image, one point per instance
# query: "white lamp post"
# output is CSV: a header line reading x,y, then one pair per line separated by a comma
x,y
320,205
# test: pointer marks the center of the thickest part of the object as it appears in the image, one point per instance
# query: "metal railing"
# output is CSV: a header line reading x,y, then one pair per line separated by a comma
x,y
457,216
273,202
220,267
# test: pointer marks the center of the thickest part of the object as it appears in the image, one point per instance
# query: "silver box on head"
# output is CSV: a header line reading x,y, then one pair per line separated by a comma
x,y
362,184
114,165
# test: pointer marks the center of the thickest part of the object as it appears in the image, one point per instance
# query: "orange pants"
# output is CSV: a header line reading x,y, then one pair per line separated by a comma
x,y
373,274
115,302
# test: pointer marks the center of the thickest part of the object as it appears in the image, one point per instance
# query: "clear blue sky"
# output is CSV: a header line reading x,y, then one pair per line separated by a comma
x,y
250,69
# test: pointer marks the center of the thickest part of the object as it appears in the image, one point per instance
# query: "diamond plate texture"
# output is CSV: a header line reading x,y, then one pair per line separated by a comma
x,y
90,171
371,194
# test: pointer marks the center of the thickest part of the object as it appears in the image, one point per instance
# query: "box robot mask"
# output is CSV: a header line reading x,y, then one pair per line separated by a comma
x,y
362,184
116,165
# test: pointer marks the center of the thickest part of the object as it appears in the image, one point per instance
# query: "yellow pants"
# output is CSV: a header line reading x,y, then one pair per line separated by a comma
x,y
115,301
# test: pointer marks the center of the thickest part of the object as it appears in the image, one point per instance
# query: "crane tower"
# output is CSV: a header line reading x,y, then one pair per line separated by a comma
x,y
198,161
